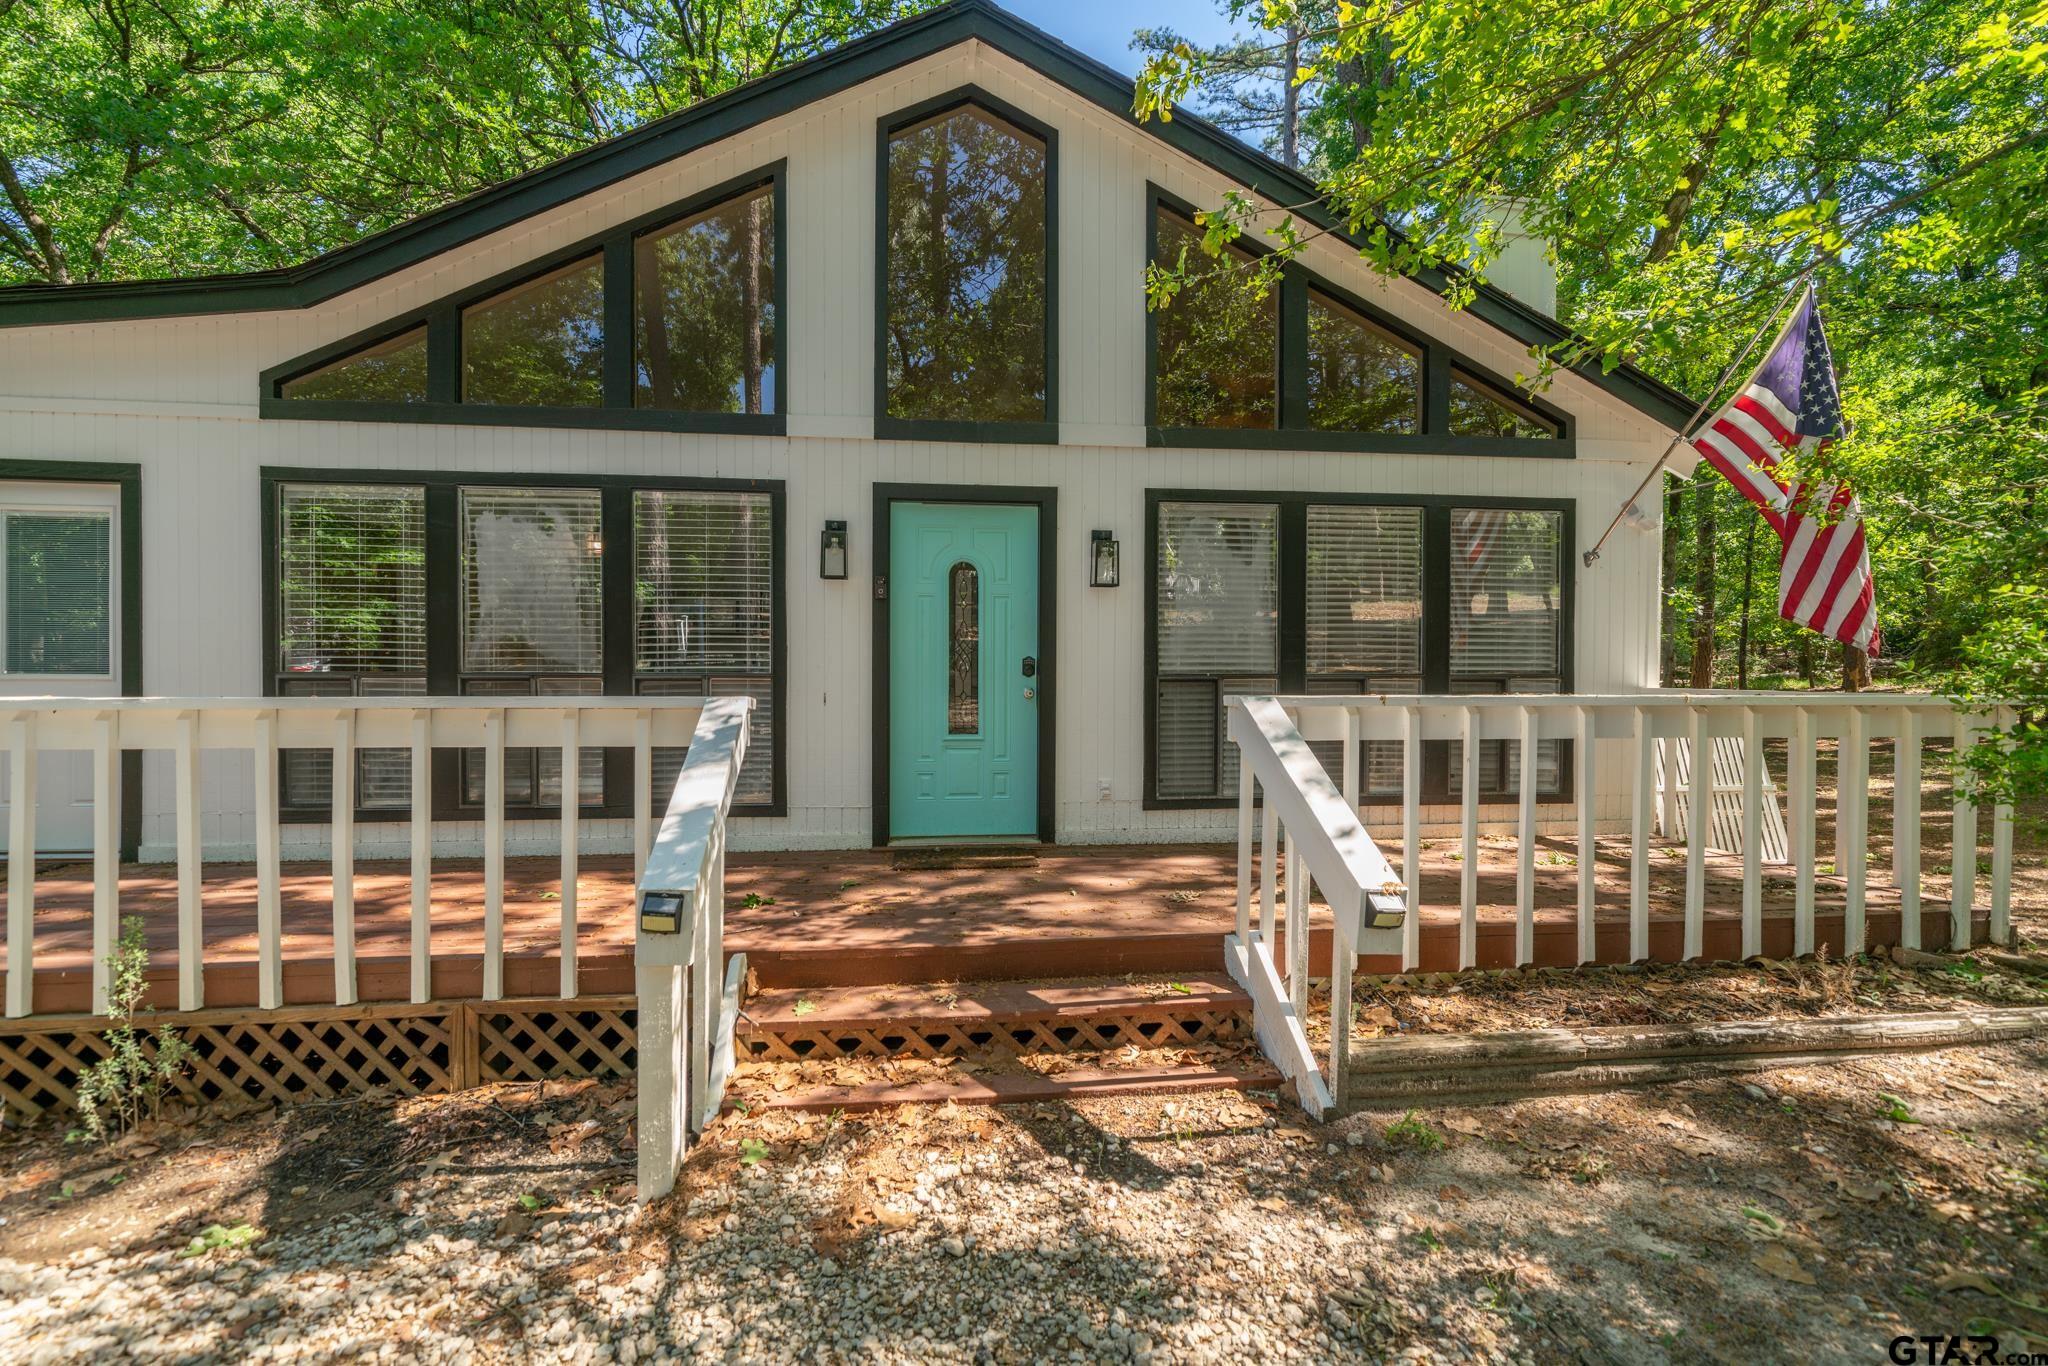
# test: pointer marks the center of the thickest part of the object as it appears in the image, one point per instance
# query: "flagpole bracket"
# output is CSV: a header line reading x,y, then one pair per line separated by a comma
x,y
1590,556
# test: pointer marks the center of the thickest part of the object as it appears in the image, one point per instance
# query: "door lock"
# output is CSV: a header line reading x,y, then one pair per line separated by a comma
x,y
1030,693
1030,667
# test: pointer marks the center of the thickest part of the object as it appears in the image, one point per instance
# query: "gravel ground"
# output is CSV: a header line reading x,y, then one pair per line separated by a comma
x,y
1815,1212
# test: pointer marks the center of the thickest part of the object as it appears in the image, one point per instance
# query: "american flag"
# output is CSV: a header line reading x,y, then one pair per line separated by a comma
x,y
1791,405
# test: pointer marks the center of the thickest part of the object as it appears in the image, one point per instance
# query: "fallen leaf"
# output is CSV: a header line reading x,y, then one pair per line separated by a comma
x,y
514,1225
1782,1264
1451,1195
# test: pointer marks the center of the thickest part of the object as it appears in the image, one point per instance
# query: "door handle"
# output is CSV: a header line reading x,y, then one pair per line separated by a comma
x,y
1030,667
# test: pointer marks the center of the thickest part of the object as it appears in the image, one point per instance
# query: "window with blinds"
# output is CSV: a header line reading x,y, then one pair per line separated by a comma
x,y
704,615
352,620
1506,600
59,593
532,581
1218,634
1364,590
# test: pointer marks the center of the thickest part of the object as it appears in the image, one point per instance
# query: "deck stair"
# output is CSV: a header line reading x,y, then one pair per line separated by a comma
x,y
862,1047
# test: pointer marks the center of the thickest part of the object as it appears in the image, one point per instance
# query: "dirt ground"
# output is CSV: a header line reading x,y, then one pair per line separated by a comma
x,y
1814,1213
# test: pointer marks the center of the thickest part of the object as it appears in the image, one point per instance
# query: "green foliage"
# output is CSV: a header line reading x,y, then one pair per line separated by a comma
x,y
205,136
127,1086
1413,1131
1689,161
216,1237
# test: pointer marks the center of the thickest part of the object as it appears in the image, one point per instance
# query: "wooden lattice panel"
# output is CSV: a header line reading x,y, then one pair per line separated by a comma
x,y
585,1038
1148,1027
316,1053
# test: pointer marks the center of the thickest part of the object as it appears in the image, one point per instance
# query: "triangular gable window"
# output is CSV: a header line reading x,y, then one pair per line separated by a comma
x,y
1479,409
390,371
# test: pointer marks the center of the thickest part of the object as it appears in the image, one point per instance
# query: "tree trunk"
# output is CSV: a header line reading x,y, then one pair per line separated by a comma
x,y
1704,530
1806,664
1674,504
1855,669
1290,100
754,362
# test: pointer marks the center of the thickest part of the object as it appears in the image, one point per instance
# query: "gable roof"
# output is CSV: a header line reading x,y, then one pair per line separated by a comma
x,y
547,187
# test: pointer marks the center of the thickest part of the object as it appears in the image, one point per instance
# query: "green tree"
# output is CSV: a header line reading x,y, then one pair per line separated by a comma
x,y
145,138
1690,161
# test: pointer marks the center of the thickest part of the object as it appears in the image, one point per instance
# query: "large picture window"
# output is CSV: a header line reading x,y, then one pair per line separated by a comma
x,y
1349,595
500,588
672,321
704,310
1241,355
1217,345
966,310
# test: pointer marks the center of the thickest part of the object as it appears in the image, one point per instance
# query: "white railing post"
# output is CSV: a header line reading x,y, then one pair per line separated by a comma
x,y
1411,836
1752,833
1297,922
421,799
572,810
343,791
1639,840
1269,867
1698,809
1468,830
1589,889
1852,819
1963,842
106,855
686,1018
2001,849
1799,780
643,790
1246,791
191,868
1525,833
494,854
21,863
1906,825
269,873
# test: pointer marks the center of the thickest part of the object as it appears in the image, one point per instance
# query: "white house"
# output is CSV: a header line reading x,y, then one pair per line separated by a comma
x,y
840,391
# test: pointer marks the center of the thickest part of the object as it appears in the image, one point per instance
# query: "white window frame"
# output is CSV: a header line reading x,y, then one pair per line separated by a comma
x,y
66,500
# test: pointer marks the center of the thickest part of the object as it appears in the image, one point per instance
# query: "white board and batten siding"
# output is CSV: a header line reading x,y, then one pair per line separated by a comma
x,y
179,397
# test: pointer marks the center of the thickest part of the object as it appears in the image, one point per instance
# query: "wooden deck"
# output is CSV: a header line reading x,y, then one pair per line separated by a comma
x,y
860,918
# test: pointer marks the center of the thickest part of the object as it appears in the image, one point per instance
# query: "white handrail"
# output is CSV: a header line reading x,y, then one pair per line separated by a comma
x,y
1321,827
1326,844
688,1007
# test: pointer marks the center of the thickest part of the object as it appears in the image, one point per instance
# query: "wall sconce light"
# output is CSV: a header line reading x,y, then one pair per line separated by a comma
x,y
832,551
1105,560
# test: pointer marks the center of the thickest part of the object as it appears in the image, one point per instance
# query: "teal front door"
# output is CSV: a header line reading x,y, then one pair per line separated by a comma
x,y
963,684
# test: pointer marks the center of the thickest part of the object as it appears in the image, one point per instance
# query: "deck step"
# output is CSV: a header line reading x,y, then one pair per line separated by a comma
x,y
939,1020
1038,954
1026,1087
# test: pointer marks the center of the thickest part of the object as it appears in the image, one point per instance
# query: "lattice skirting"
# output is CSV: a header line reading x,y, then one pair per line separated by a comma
x,y
1162,1027
320,1052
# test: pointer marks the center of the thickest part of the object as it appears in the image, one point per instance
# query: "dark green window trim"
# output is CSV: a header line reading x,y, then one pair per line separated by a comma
x,y
128,669
444,616
442,319
890,428
1291,368
1292,636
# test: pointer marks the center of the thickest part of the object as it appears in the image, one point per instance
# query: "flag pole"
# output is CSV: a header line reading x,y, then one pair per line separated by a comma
x,y
1799,283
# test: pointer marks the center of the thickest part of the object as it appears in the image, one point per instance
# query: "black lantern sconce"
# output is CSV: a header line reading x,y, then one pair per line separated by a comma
x,y
1105,560
832,551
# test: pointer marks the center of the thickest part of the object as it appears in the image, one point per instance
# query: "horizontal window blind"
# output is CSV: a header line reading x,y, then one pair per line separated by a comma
x,y
1364,590
352,579
1505,592
1187,736
703,581
59,593
531,581
1219,593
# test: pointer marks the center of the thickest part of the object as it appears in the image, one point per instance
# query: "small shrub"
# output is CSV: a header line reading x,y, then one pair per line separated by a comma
x,y
1415,1132
127,1086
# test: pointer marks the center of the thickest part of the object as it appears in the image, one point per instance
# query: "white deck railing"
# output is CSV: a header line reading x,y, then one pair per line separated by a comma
x,y
1324,842
1272,736
254,730
687,1006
